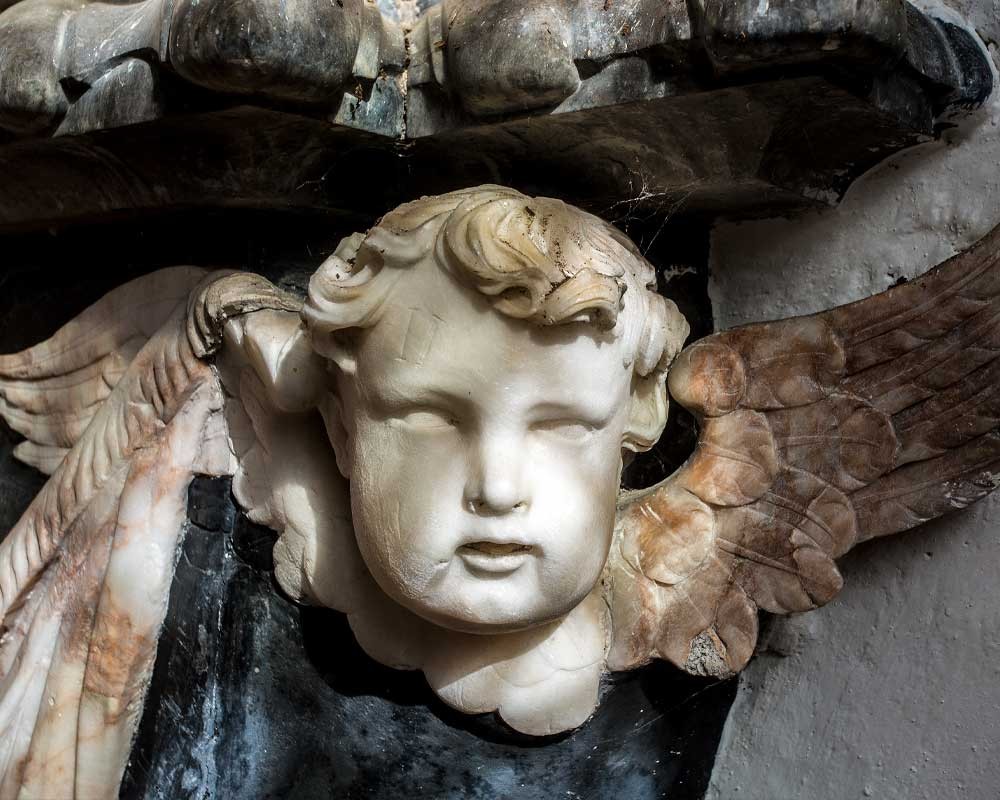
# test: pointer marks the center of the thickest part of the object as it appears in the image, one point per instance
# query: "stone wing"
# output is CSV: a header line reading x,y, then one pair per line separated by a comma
x,y
122,408
816,433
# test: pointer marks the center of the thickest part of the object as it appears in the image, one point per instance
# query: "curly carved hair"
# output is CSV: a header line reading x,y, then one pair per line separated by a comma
x,y
535,258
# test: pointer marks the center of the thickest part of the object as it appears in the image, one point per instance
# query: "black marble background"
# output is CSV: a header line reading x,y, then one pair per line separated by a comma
x,y
255,697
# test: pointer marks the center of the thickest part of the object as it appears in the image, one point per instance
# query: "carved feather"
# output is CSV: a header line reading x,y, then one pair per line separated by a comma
x,y
50,392
123,410
816,433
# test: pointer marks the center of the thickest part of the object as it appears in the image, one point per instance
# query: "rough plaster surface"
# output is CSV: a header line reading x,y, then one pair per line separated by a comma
x,y
911,213
983,15
892,690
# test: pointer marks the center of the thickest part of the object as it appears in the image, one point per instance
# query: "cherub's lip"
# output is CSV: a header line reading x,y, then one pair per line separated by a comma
x,y
493,548
484,538
494,557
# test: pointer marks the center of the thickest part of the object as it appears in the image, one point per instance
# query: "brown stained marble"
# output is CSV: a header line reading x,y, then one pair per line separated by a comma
x,y
120,648
669,534
85,574
816,433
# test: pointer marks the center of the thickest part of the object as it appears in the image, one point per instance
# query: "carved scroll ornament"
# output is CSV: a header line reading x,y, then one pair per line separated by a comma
x,y
437,436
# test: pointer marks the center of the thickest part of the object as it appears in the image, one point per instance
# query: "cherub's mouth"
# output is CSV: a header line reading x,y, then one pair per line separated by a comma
x,y
497,548
494,558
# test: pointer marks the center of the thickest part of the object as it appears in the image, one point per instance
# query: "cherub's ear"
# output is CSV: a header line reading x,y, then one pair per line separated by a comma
x,y
663,334
647,413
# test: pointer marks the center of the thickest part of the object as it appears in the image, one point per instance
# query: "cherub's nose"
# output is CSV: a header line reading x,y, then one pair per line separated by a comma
x,y
495,484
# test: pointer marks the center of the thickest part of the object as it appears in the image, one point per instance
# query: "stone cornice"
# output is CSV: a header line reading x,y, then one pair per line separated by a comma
x,y
745,106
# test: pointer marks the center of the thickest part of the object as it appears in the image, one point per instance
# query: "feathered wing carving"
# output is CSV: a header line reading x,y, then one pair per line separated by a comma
x,y
816,433
121,407
134,397
50,392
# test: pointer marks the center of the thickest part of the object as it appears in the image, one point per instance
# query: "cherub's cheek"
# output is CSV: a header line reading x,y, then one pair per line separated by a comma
x,y
411,469
593,468
577,510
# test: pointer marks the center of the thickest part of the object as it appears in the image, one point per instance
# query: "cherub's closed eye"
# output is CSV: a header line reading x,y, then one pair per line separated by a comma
x,y
426,418
566,428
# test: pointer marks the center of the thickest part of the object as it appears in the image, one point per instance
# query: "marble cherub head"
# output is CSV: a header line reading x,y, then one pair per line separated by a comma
x,y
496,355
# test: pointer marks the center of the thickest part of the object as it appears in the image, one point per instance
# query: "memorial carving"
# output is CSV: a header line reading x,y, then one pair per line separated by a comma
x,y
437,433
412,514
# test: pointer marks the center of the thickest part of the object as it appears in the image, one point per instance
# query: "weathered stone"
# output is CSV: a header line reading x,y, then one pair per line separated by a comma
x,y
31,100
823,439
496,87
126,94
524,63
745,34
291,707
302,51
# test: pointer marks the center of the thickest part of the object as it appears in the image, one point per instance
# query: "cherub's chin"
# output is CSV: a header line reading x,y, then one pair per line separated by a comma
x,y
490,604
485,628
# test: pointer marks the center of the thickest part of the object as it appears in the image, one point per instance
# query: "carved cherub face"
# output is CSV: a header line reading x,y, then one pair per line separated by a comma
x,y
494,355
484,456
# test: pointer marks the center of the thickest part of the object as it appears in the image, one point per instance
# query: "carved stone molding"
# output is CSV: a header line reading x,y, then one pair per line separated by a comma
x,y
746,107
560,56
117,60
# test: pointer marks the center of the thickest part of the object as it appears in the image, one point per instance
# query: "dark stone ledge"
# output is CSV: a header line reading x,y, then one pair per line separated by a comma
x,y
706,106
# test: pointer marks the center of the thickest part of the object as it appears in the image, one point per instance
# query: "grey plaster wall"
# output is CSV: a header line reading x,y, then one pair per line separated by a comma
x,y
893,690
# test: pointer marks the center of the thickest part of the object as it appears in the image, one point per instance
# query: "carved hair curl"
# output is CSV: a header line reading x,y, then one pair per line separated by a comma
x,y
535,258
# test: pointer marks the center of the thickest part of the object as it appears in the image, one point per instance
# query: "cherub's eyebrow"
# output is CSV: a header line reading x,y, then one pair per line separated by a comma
x,y
596,415
389,397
